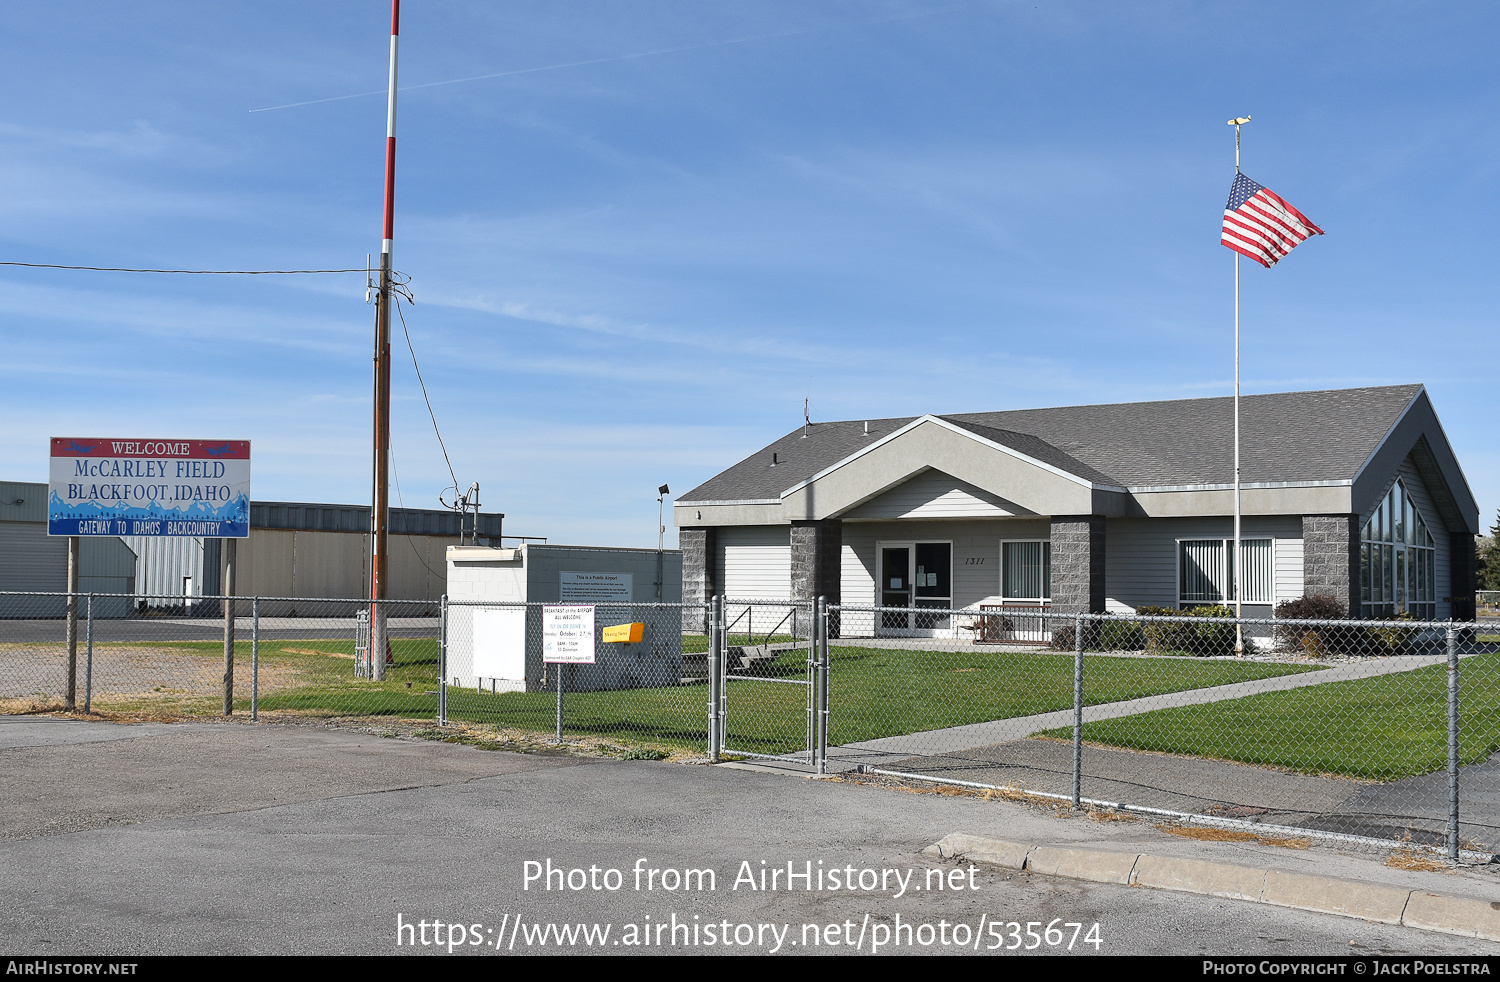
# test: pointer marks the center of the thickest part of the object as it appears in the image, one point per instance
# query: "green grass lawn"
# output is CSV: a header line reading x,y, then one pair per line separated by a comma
x,y
875,692
878,692
1382,729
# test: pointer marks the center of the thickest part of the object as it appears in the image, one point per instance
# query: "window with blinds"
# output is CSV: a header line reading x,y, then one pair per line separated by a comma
x,y
1026,570
1204,575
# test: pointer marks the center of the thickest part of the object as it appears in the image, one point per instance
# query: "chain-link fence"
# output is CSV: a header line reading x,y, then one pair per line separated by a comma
x,y
645,682
1366,729
476,663
166,658
1377,730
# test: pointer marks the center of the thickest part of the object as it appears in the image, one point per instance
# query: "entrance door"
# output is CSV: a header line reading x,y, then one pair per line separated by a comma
x,y
933,582
895,586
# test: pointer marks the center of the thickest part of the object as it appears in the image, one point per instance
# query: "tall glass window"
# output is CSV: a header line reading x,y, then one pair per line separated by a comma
x,y
1397,559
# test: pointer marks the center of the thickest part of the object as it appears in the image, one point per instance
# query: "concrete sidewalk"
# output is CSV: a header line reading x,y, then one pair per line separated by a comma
x,y
880,752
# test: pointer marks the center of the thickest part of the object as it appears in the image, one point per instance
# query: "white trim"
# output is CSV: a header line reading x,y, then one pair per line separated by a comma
x,y
880,580
1132,489
1146,489
954,428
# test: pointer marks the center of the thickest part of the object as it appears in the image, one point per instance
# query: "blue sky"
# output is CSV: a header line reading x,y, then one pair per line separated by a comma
x,y
632,269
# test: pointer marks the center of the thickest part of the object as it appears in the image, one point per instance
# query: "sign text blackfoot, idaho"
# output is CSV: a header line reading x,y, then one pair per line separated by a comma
x,y
197,488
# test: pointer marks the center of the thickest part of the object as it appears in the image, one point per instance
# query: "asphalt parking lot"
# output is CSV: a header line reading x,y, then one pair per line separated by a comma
x,y
241,838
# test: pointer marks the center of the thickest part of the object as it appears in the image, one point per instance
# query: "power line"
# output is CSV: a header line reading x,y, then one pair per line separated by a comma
x,y
397,296
195,272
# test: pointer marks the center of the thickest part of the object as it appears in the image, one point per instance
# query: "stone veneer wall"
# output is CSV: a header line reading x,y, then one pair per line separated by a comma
x,y
816,565
699,547
1078,564
1330,558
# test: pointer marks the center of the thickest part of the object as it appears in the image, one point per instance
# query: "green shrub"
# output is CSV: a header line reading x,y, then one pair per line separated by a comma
x,y
1161,637
1206,640
1202,640
1315,641
1120,636
1389,640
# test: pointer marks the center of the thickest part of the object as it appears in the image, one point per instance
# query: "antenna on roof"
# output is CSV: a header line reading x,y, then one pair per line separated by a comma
x,y
867,427
806,419
464,504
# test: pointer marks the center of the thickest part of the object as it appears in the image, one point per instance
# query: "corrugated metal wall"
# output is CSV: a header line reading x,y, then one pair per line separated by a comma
x,y
166,566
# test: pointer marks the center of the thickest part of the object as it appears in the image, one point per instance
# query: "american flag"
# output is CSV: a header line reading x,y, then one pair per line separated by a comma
x,y
1259,224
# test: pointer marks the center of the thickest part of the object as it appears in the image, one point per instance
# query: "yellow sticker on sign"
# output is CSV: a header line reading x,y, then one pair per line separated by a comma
x,y
624,633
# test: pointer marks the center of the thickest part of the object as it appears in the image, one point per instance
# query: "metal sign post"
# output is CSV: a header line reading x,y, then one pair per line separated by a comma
x,y
567,639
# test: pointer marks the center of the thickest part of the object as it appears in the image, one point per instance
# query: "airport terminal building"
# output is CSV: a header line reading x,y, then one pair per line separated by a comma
x,y
1354,493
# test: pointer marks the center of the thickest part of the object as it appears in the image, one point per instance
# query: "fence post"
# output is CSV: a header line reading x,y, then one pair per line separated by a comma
x,y
228,586
255,659
72,628
715,627
557,670
822,685
442,706
88,664
1078,623
1452,742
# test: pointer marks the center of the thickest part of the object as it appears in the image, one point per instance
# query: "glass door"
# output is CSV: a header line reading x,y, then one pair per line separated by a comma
x,y
934,586
895,586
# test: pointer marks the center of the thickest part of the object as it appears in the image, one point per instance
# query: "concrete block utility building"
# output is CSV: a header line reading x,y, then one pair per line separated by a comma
x,y
1350,492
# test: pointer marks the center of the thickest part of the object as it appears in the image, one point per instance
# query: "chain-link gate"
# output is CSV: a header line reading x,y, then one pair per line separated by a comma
x,y
767,702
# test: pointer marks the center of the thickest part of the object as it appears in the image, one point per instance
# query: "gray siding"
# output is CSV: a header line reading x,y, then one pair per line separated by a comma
x,y
31,560
23,502
163,564
1140,557
976,553
933,494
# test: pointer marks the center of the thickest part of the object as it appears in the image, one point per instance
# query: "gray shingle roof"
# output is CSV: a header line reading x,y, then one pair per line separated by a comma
x,y
1286,437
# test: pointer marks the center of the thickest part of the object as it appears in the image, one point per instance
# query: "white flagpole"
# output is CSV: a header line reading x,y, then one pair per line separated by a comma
x,y
1236,559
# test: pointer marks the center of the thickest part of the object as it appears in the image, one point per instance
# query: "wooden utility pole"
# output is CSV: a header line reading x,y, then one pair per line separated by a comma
x,y
380,519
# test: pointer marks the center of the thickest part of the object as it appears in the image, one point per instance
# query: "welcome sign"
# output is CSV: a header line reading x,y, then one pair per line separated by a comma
x,y
131,486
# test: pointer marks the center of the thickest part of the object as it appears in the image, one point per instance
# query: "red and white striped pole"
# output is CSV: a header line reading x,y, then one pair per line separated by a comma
x,y
380,518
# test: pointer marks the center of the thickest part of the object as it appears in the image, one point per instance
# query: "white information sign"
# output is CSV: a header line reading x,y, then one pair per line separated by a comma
x,y
500,643
594,588
568,634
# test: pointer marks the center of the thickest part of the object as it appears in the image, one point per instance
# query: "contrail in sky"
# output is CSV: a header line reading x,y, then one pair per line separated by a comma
x,y
609,60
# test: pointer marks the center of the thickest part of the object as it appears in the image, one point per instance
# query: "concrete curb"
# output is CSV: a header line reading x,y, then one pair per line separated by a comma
x,y
1419,909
